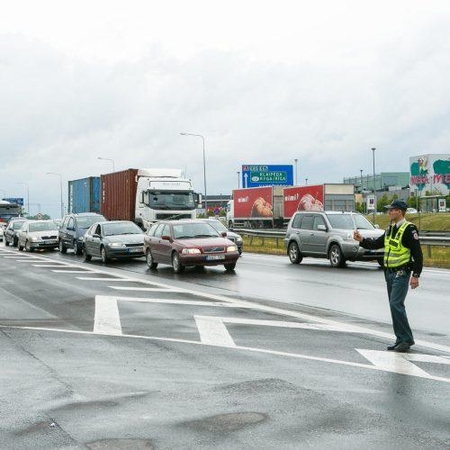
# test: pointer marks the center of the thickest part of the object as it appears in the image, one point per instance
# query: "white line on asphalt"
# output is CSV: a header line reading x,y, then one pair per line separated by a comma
x,y
213,331
392,362
142,289
248,349
101,279
107,318
72,271
49,265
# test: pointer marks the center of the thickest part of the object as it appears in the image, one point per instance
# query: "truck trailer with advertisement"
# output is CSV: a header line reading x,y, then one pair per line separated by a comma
x,y
273,206
147,195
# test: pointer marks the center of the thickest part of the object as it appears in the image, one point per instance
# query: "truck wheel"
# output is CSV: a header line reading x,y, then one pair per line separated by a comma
x,y
176,264
336,256
150,261
62,247
294,253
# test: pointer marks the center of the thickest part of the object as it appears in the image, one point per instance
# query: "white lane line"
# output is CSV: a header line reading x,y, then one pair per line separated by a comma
x,y
213,332
101,279
284,324
427,358
107,318
248,349
145,289
71,271
48,265
392,362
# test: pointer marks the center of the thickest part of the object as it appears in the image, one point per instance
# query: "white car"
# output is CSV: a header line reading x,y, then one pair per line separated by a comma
x,y
38,234
2,233
411,211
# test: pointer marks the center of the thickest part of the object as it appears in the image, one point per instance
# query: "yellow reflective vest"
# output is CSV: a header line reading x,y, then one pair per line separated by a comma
x,y
395,254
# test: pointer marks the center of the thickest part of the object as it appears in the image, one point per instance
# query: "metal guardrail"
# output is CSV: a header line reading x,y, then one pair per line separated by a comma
x,y
427,238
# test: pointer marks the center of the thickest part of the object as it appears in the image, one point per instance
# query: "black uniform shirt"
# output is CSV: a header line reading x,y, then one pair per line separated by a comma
x,y
410,239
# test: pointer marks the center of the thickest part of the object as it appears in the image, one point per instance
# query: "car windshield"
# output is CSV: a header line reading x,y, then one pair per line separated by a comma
x,y
218,226
171,200
113,229
42,226
349,222
87,221
17,225
194,230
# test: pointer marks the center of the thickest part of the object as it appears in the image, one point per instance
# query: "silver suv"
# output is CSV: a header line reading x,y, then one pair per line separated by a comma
x,y
329,234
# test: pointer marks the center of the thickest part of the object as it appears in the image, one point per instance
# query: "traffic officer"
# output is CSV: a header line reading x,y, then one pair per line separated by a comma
x,y
402,257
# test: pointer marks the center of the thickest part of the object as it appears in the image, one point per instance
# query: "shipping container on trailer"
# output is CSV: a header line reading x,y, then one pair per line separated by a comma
x,y
84,195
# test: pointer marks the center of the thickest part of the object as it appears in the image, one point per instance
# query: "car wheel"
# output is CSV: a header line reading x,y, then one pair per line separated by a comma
x,y
62,247
176,264
87,257
336,256
294,253
150,261
20,247
104,255
380,262
77,250
28,247
230,267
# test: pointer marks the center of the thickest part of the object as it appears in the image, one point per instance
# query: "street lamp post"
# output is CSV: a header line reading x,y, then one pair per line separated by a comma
x,y
239,175
60,191
306,181
28,194
374,188
108,159
296,174
204,166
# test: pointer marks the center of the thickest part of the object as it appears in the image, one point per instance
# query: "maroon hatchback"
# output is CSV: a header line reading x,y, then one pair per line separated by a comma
x,y
189,242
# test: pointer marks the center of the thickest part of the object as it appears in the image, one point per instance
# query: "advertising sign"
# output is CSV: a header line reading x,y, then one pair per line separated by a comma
x,y
266,175
430,173
442,205
370,202
255,202
305,198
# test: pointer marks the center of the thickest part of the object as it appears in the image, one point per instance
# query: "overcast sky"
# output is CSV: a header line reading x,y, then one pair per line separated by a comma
x,y
265,82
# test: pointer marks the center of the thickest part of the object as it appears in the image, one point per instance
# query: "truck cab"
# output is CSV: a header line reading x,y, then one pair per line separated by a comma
x,y
163,194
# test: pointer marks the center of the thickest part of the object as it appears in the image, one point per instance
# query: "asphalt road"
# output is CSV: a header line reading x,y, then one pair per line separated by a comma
x,y
273,356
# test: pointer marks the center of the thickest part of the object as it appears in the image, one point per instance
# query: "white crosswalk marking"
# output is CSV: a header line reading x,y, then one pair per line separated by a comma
x,y
107,318
213,331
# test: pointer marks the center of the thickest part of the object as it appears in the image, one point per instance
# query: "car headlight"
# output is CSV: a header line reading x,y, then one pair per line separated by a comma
x,y
34,239
115,244
231,248
190,251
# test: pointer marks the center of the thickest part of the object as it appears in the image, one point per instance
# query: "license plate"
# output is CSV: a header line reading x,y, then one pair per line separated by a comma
x,y
214,257
135,250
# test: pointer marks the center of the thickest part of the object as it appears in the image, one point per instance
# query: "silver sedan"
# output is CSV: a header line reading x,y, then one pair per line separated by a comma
x,y
37,234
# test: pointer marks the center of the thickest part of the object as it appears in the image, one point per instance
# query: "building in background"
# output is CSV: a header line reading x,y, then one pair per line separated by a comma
x,y
384,181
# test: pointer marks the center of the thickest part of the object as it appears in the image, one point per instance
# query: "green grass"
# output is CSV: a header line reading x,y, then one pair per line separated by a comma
x,y
436,256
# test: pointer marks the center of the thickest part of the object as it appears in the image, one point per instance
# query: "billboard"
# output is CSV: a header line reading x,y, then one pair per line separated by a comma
x,y
305,198
430,173
266,175
253,202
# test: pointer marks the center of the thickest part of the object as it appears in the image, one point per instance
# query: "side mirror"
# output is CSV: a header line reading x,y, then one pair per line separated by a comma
x,y
223,234
321,227
377,226
166,238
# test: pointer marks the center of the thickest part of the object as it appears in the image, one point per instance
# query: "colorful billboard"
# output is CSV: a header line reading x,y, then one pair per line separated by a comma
x,y
430,173
305,198
257,175
255,202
